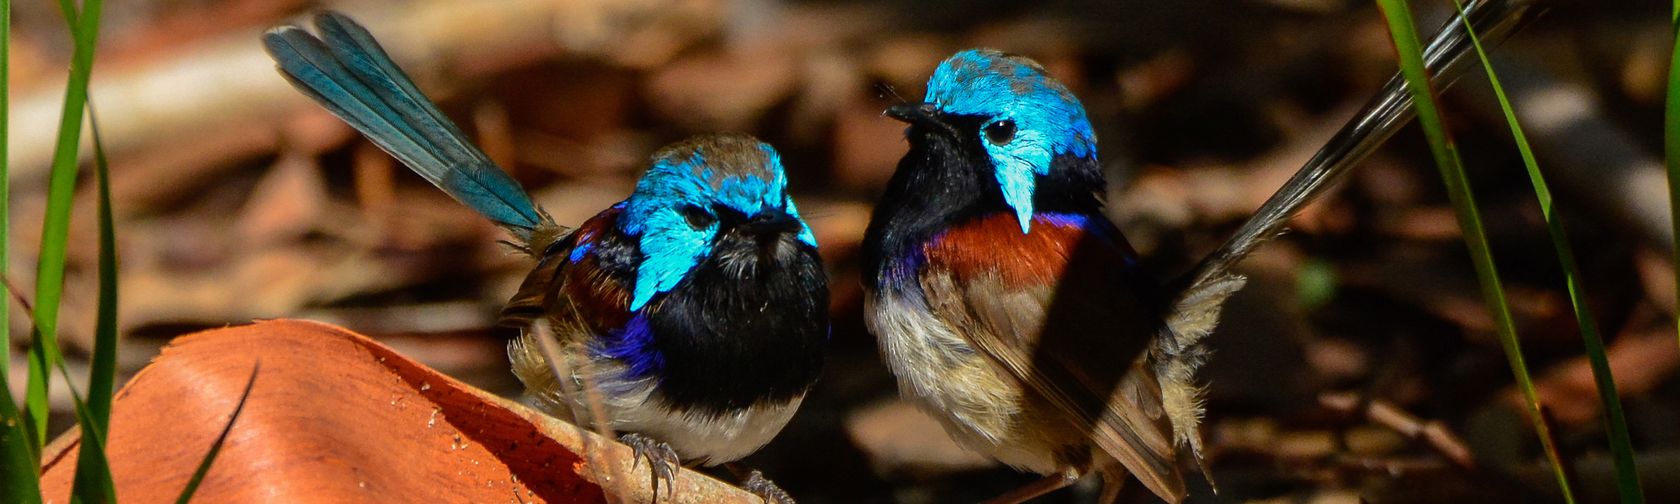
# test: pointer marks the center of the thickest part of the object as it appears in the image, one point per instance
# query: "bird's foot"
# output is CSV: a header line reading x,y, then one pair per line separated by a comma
x,y
754,482
662,461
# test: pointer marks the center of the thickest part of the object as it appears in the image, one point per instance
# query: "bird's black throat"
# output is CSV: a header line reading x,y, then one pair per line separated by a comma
x,y
748,325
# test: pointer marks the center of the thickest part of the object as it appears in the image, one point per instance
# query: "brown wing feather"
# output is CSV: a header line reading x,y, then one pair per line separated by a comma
x,y
556,281
1051,308
577,297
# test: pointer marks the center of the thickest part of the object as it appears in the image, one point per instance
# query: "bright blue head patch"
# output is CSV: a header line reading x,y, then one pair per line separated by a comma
x,y
701,174
1048,120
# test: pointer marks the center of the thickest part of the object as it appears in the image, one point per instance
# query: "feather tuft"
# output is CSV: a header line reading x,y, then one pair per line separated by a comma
x,y
1179,352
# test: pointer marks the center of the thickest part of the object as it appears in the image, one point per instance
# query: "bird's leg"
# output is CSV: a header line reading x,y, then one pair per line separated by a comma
x,y
662,461
754,481
1049,483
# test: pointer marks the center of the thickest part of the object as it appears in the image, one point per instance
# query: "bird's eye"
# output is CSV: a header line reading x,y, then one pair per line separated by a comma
x,y
1000,132
698,218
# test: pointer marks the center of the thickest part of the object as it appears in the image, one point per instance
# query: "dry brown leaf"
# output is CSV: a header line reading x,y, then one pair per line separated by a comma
x,y
336,417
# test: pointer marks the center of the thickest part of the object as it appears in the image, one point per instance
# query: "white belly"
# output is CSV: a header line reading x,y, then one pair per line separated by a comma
x,y
700,437
697,437
979,405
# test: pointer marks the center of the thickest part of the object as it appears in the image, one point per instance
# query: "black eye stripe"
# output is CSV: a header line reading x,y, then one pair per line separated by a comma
x,y
1000,132
728,213
698,218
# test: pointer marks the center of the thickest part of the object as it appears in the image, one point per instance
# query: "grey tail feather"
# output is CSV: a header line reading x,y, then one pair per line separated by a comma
x,y
348,73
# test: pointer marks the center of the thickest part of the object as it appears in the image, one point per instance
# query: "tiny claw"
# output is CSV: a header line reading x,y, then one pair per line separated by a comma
x,y
766,489
662,462
757,484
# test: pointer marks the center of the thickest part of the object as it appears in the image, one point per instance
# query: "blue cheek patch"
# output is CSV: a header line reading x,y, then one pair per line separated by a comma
x,y
670,247
1018,164
805,234
1049,120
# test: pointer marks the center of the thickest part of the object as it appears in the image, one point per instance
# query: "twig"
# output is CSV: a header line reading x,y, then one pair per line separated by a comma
x,y
17,295
561,367
1388,415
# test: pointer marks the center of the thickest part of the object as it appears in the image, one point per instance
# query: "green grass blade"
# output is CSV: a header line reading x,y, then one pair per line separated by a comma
x,y
18,479
215,448
1615,421
35,391
5,171
55,227
92,468
23,483
1671,144
102,376
1410,51
92,484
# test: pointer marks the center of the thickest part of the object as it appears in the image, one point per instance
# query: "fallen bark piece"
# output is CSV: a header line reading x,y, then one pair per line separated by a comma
x,y
337,417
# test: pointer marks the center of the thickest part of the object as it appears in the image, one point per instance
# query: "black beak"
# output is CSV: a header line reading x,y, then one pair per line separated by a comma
x,y
914,113
922,116
772,221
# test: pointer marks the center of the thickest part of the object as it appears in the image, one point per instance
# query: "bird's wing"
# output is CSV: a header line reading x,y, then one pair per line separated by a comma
x,y
570,283
1063,310
572,289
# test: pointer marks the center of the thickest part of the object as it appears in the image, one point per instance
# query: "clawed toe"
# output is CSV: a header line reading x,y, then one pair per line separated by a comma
x,y
763,487
662,461
754,482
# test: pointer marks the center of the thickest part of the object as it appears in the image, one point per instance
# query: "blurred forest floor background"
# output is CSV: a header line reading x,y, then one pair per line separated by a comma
x,y
1360,362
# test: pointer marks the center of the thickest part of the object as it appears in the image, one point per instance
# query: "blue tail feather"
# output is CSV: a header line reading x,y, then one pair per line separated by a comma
x,y
347,71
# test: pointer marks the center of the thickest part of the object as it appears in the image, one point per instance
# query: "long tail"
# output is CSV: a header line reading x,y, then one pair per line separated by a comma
x,y
347,71
1201,293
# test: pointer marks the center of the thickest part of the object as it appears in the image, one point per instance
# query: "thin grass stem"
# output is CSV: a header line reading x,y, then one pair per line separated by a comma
x,y
1404,33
